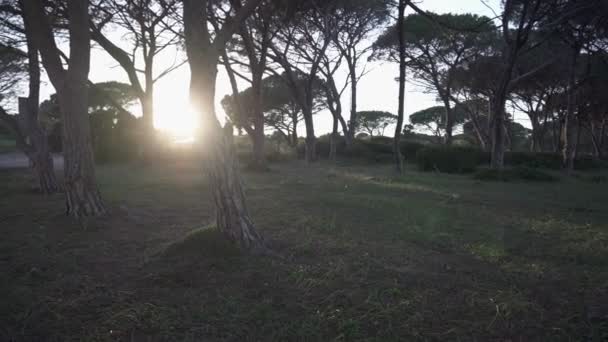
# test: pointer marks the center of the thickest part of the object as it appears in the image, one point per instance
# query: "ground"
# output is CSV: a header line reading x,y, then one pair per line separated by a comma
x,y
364,255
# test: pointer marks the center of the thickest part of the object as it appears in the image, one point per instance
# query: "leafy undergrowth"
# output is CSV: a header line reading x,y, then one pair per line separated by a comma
x,y
520,173
365,256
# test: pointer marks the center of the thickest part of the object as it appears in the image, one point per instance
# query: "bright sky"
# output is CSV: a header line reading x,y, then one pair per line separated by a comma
x,y
377,91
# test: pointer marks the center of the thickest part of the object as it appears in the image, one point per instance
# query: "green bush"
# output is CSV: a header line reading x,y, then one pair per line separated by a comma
x,y
448,159
410,149
513,174
534,159
550,160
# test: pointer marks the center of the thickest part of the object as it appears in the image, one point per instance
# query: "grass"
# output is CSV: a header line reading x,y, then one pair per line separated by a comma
x,y
368,256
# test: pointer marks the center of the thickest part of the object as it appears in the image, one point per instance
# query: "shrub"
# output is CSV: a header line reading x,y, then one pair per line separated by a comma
x,y
448,159
516,173
410,149
531,174
490,175
550,160
534,159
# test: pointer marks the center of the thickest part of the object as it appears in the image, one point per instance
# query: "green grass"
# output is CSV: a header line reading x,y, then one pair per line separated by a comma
x,y
367,256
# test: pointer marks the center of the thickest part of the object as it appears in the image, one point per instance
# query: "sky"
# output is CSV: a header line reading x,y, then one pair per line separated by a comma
x,y
377,90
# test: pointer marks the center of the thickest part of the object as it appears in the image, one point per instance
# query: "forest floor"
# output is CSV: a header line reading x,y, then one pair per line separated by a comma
x,y
366,256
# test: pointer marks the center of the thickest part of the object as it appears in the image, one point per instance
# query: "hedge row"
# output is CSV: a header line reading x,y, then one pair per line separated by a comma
x,y
449,159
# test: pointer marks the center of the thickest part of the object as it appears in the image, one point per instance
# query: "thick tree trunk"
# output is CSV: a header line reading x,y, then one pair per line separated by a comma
x,y
536,143
221,166
82,195
402,70
232,216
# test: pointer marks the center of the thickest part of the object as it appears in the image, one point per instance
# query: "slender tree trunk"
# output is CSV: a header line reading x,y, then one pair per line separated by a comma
x,y
577,140
310,154
350,134
148,143
497,120
40,156
568,138
481,137
259,158
449,123
597,152
402,70
333,140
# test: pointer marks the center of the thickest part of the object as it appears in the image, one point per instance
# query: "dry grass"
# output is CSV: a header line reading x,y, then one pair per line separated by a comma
x,y
368,256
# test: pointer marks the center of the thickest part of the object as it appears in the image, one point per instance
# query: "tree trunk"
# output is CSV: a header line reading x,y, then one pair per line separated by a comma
x,y
82,195
497,161
148,143
350,134
39,156
221,165
333,140
577,141
537,138
449,124
259,158
310,154
402,70
568,138
597,151
232,216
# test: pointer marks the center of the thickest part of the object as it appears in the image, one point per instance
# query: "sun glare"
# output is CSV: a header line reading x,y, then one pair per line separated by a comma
x,y
178,119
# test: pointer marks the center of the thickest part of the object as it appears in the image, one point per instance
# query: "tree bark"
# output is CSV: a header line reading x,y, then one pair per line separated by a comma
x,y
449,123
232,216
350,134
39,155
82,196
148,143
402,70
333,141
497,161
568,136
310,153
259,158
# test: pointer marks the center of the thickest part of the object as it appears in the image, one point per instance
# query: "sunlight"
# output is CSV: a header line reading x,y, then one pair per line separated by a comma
x,y
176,118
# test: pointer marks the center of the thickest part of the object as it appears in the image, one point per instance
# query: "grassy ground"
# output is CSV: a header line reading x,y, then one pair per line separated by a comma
x,y
368,256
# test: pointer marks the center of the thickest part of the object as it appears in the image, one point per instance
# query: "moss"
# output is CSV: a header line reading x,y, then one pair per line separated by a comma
x,y
206,242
